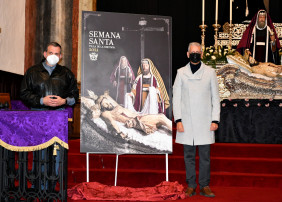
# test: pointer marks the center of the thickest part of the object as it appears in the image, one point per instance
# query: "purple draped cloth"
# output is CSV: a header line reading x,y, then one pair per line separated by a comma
x,y
29,129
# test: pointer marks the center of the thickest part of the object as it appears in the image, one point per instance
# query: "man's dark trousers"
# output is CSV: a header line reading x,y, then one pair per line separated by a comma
x,y
204,165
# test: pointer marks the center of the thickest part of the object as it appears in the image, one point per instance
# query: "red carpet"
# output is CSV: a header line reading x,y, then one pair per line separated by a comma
x,y
239,172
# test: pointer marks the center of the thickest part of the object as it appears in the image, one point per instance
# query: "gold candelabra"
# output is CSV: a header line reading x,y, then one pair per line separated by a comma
x,y
216,28
203,29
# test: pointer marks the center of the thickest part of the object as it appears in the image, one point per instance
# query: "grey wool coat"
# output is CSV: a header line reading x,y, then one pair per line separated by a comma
x,y
196,102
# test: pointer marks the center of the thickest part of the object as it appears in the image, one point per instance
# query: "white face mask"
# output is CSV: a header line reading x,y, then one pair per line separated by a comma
x,y
52,60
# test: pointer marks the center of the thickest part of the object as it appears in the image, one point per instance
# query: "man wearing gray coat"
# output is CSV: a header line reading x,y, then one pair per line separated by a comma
x,y
196,109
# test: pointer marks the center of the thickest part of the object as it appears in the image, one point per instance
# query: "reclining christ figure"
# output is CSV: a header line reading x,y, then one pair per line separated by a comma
x,y
111,112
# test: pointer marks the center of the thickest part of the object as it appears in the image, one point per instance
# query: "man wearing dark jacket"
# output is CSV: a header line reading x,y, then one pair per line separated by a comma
x,y
49,86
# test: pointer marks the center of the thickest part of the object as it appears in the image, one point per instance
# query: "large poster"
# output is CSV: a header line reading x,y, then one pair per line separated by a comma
x,y
126,84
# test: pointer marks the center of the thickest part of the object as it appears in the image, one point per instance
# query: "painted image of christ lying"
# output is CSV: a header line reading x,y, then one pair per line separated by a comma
x,y
110,128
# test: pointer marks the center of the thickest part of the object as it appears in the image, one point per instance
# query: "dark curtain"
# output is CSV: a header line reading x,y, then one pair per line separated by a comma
x,y
43,28
250,121
46,28
275,10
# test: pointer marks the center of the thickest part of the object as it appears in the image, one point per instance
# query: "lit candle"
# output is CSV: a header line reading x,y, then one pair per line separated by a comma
x,y
231,11
203,12
216,11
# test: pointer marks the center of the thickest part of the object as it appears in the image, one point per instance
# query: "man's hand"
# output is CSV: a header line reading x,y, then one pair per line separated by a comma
x,y
180,127
248,52
214,126
54,101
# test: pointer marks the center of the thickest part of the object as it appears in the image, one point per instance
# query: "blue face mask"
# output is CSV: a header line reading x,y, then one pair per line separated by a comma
x,y
195,57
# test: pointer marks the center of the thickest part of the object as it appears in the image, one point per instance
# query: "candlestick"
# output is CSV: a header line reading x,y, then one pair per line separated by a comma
x,y
230,28
203,12
203,29
230,17
216,11
216,28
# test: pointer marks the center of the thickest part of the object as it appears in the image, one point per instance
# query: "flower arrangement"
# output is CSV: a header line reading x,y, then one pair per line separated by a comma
x,y
211,56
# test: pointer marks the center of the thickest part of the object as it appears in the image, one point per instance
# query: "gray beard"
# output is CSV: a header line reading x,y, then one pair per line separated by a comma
x,y
261,24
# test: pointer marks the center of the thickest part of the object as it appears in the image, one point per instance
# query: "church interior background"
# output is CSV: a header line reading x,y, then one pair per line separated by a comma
x,y
254,119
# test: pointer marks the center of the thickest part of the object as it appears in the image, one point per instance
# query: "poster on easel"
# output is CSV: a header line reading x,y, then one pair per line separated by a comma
x,y
126,84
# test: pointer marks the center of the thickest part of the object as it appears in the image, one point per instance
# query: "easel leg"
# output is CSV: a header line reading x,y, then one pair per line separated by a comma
x,y
116,170
87,167
166,166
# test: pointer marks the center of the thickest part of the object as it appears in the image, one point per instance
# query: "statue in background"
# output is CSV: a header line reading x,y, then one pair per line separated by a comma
x,y
260,39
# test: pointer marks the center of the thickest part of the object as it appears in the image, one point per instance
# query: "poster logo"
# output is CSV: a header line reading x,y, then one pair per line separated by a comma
x,y
93,56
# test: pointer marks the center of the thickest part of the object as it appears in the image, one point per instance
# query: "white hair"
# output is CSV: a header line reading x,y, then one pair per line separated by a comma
x,y
195,44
